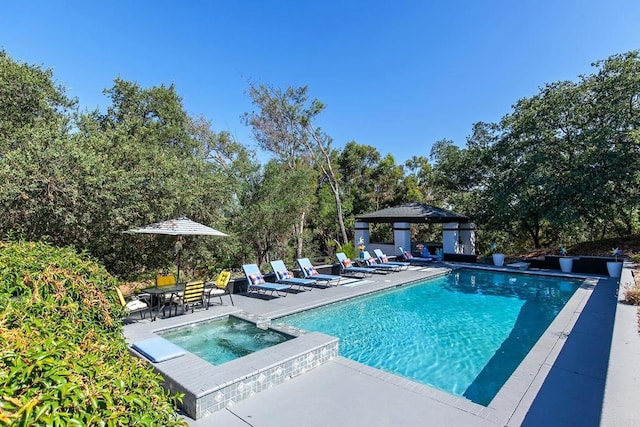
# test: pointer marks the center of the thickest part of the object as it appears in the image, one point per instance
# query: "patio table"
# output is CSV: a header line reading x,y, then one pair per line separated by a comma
x,y
160,295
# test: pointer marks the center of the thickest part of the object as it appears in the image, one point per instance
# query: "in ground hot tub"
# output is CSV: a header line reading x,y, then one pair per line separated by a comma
x,y
221,340
242,371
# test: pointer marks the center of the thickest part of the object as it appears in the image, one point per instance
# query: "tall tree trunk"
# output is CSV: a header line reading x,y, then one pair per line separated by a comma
x,y
328,172
343,230
299,236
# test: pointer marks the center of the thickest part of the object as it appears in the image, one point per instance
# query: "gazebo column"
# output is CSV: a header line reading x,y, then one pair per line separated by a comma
x,y
458,238
361,230
467,237
449,237
401,236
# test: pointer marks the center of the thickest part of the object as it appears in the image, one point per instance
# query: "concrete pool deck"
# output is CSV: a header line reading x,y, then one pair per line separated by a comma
x,y
580,373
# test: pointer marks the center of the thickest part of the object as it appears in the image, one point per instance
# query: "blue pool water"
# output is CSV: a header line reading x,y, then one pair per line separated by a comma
x,y
219,341
464,333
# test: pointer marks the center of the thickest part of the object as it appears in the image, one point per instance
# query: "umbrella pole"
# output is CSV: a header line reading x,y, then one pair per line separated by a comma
x,y
178,275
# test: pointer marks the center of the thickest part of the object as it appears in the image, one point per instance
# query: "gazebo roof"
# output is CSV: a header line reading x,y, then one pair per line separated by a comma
x,y
413,213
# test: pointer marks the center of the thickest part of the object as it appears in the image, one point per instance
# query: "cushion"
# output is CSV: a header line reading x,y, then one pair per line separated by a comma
x,y
407,255
158,349
346,263
311,271
256,279
284,274
384,258
136,304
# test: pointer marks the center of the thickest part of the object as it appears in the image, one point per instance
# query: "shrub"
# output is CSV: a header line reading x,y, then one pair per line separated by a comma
x,y
63,358
349,250
632,296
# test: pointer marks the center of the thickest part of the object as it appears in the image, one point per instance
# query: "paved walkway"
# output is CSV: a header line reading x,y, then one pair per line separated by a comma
x,y
591,379
622,387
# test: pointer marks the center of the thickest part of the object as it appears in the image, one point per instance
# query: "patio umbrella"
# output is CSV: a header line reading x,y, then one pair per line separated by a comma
x,y
178,227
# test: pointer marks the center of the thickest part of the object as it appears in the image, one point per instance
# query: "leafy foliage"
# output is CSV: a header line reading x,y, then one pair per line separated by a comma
x,y
561,167
142,161
62,354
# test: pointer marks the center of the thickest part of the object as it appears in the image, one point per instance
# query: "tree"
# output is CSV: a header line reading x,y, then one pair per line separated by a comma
x,y
356,164
607,170
33,106
533,188
155,167
142,161
36,185
285,126
416,182
266,216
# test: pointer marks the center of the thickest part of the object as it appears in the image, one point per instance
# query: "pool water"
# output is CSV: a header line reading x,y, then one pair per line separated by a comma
x,y
464,333
222,340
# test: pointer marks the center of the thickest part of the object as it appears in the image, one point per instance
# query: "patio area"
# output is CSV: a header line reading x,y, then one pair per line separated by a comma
x,y
580,373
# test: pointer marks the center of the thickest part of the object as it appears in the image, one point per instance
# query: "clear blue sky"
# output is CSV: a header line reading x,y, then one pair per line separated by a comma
x,y
395,75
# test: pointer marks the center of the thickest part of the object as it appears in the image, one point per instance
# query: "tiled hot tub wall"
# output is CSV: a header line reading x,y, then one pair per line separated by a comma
x,y
208,388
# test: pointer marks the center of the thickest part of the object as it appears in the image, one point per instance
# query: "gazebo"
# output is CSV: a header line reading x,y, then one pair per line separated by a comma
x,y
458,234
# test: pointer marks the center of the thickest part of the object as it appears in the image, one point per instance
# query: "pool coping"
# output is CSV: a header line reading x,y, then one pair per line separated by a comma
x,y
513,402
516,396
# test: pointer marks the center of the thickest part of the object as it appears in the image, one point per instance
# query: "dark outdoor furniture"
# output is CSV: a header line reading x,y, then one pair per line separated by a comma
x,y
459,257
592,264
586,264
163,296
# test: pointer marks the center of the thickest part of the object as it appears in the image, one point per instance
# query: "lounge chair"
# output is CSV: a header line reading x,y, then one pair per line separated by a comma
x,y
373,263
347,268
256,282
135,304
382,257
218,288
309,272
286,277
414,260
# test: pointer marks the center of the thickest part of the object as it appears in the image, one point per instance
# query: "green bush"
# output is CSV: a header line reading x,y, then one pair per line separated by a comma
x,y
349,250
63,358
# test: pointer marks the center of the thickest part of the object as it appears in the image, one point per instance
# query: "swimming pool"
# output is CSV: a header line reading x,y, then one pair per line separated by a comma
x,y
464,333
221,340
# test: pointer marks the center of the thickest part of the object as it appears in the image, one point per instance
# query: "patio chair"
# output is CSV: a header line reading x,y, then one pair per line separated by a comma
x,y
347,268
309,272
414,260
256,282
167,280
373,263
140,303
382,257
218,288
192,295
